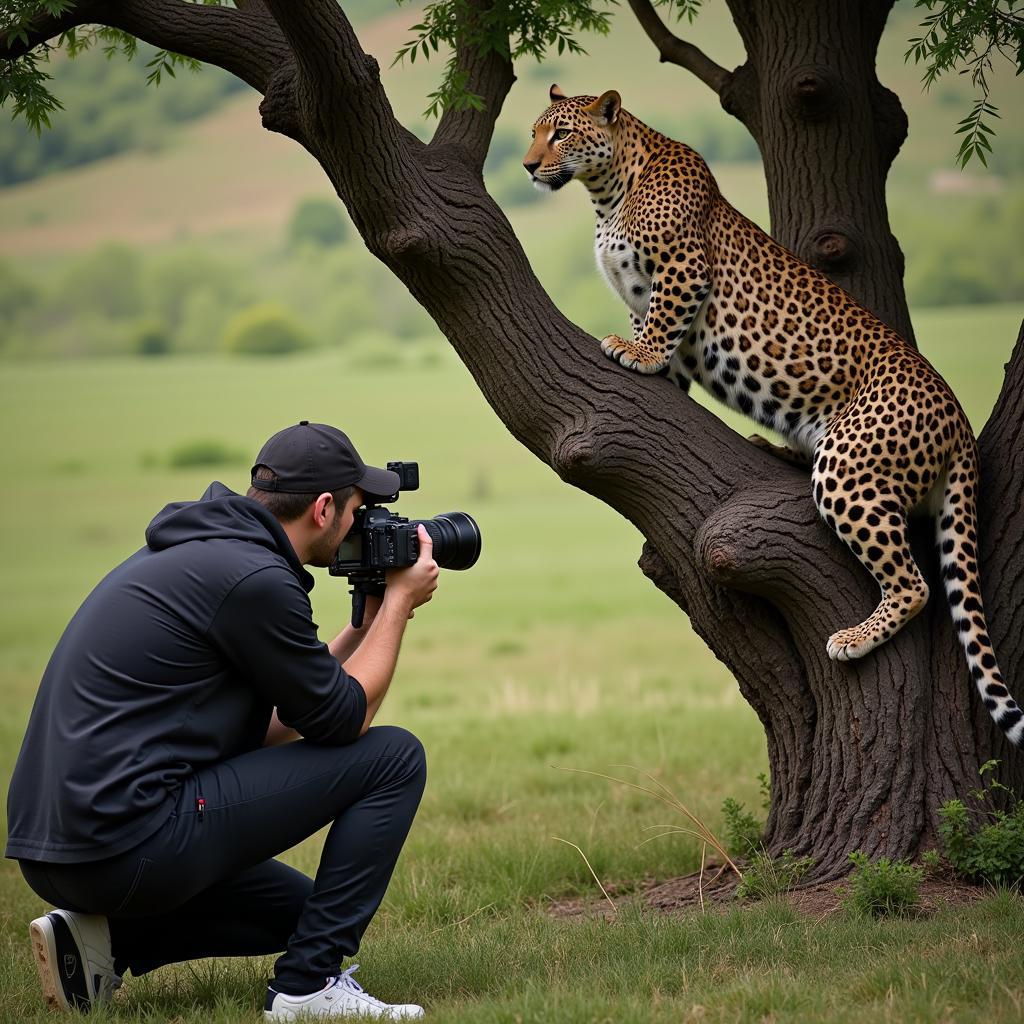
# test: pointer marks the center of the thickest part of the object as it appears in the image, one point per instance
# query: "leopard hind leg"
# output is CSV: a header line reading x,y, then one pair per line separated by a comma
x,y
872,522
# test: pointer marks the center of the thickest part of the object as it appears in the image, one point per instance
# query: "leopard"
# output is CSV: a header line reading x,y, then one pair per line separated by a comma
x,y
713,300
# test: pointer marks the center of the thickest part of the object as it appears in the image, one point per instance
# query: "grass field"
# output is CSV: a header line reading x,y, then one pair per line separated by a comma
x,y
553,651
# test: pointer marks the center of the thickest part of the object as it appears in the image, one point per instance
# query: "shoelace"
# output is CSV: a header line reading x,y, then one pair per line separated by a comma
x,y
346,981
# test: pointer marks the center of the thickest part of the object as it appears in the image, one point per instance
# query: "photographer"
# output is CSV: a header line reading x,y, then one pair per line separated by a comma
x,y
155,784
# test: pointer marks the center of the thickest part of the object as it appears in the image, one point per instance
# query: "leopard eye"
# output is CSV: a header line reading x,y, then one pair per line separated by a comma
x,y
561,133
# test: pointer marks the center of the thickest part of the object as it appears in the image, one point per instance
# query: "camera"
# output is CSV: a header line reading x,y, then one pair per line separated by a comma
x,y
380,540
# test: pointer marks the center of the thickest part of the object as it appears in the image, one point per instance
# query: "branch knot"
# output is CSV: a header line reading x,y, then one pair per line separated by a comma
x,y
406,243
833,249
575,455
814,92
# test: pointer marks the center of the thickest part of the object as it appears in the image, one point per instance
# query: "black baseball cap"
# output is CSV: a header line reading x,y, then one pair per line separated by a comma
x,y
310,458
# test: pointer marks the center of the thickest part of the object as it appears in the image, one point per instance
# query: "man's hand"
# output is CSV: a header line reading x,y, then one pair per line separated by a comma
x,y
347,642
370,609
415,585
373,663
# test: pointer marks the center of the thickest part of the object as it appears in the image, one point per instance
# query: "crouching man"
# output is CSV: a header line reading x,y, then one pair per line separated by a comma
x,y
155,785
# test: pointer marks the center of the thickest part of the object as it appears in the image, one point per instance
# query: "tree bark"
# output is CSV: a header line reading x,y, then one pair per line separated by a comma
x,y
861,753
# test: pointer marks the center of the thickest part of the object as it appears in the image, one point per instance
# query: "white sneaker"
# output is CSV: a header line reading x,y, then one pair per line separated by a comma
x,y
72,954
341,997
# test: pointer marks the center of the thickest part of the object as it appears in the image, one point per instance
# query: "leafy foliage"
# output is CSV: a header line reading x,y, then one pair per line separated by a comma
x,y
882,888
22,81
512,29
967,35
26,85
993,852
766,877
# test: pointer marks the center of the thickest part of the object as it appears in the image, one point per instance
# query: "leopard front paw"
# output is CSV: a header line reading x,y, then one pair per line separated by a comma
x,y
631,357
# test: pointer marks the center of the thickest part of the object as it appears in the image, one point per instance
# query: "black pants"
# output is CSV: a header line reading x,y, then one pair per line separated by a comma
x,y
204,884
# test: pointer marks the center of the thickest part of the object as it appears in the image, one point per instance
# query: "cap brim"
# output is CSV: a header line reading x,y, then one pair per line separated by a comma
x,y
379,483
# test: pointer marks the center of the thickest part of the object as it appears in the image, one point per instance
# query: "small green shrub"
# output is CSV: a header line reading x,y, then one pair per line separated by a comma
x,y
151,339
882,888
765,877
931,861
204,452
318,221
743,832
264,330
994,852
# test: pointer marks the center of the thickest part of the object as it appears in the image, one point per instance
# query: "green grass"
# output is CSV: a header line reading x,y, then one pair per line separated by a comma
x,y
553,651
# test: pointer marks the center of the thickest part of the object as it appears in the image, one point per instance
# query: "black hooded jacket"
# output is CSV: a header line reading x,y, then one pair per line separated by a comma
x,y
173,662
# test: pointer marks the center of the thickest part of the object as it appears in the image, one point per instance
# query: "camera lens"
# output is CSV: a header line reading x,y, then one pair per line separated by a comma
x,y
456,539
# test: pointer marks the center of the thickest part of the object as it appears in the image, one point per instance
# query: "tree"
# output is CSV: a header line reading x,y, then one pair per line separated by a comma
x,y
861,753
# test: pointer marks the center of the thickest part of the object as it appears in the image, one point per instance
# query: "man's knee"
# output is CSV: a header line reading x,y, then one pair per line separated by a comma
x,y
400,744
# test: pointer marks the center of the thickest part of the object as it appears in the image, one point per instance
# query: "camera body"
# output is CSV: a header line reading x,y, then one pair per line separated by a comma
x,y
380,541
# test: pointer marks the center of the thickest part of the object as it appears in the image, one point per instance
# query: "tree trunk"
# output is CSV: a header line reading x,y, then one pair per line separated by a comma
x,y
862,752
828,132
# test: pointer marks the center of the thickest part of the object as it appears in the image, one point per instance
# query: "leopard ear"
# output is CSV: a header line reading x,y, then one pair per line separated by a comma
x,y
555,94
605,109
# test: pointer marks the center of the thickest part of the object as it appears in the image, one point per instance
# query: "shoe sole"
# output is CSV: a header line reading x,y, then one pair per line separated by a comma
x,y
61,990
44,952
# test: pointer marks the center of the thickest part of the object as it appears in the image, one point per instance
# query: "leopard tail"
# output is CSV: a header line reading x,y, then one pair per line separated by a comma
x,y
958,557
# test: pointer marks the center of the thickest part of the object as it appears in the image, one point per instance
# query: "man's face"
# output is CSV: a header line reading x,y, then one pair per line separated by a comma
x,y
326,545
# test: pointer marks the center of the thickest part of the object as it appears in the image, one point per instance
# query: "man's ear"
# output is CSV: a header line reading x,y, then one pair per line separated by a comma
x,y
555,94
605,109
320,507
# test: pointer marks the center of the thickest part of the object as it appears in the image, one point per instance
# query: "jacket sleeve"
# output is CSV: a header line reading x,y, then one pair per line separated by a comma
x,y
265,628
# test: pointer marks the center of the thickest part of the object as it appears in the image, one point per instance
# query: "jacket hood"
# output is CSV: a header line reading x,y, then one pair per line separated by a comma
x,y
221,514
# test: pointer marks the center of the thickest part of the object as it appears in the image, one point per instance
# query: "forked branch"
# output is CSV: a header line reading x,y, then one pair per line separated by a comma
x,y
673,50
487,75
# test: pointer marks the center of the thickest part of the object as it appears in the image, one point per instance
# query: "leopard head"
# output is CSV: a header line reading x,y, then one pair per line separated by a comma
x,y
573,138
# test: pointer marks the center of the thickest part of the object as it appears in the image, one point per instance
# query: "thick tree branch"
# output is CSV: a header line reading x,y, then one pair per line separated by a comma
x,y
673,50
326,49
490,76
245,42
335,90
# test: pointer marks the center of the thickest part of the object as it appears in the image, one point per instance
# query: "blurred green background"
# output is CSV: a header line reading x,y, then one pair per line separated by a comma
x,y
176,284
